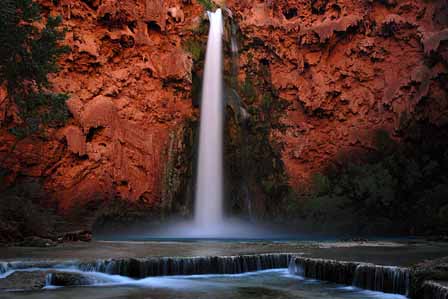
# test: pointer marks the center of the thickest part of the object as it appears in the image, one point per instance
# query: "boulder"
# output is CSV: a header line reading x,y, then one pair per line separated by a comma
x,y
82,235
23,281
99,112
67,279
432,270
35,241
177,14
76,140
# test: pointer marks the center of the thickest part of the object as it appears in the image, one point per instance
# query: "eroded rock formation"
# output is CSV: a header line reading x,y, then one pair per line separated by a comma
x,y
129,81
345,68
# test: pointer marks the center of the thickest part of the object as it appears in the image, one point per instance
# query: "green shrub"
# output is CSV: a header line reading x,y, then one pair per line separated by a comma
x,y
28,54
399,190
321,184
248,90
207,4
195,48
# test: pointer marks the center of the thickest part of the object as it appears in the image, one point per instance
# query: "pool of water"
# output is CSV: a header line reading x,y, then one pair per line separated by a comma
x,y
269,284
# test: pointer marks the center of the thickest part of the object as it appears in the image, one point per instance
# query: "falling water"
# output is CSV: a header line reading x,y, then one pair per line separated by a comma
x,y
209,188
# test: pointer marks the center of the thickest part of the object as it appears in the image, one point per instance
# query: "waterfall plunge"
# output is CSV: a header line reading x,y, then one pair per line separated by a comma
x,y
209,189
209,219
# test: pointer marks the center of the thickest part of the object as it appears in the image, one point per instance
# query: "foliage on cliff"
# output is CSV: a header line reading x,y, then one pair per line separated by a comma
x,y
401,188
252,153
28,54
208,4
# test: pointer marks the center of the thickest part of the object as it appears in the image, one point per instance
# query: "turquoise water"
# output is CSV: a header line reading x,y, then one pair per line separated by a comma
x,y
278,284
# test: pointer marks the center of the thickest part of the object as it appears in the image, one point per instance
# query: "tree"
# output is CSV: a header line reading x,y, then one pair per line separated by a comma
x,y
27,55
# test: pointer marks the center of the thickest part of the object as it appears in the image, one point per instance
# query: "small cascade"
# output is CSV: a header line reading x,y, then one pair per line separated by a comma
x,y
3,267
329,270
235,52
49,280
435,290
366,276
233,39
383,278
147,267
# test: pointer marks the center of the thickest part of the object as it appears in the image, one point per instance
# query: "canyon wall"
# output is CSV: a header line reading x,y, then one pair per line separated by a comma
x,y
129,80
347,69
330,72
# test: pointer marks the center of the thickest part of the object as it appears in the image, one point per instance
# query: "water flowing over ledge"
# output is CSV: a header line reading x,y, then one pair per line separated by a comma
x,y
434,290
141,268
385,279
161,266
3,268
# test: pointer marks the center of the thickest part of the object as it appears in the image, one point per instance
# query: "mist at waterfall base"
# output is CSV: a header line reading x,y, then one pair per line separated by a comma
x,y
230,229
209,220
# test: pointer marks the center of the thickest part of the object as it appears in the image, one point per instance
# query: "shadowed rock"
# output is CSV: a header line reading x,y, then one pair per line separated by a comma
x,y
366,276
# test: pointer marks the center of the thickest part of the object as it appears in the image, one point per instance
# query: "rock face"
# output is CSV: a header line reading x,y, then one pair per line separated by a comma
x,y
430,278
23,281
129,81
146,267
347,69
387,279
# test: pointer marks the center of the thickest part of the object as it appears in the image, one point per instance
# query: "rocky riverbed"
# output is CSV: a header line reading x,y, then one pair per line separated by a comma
x,y
33,268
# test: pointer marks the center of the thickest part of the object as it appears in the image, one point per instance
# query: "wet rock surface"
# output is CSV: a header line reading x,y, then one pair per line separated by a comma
x,y
23,281
381,253
430,278
37,242
66,279
309,259
388,279
434,289
33,279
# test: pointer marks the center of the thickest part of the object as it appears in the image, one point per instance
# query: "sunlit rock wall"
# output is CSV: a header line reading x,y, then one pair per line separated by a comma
x,y
129,81
347,68
344,68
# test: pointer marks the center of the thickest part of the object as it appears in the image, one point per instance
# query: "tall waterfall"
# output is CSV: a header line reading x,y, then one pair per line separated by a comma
x,y
209,219
209,185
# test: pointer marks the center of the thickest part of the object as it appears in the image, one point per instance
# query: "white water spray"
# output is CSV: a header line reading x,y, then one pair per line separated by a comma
x,y
209,187
210,221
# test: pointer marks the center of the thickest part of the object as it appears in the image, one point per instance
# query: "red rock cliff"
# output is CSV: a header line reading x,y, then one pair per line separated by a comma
x,y
129,81
346,67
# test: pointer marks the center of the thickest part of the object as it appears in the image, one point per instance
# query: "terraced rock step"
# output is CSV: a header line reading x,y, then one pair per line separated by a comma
x,y
368,276
145,267
386,279
3,268
435,290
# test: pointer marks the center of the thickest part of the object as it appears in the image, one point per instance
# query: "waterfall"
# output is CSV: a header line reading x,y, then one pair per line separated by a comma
x,y
3,267
49,279
165,266
435,290
386,279
322,269
382,278
209,185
